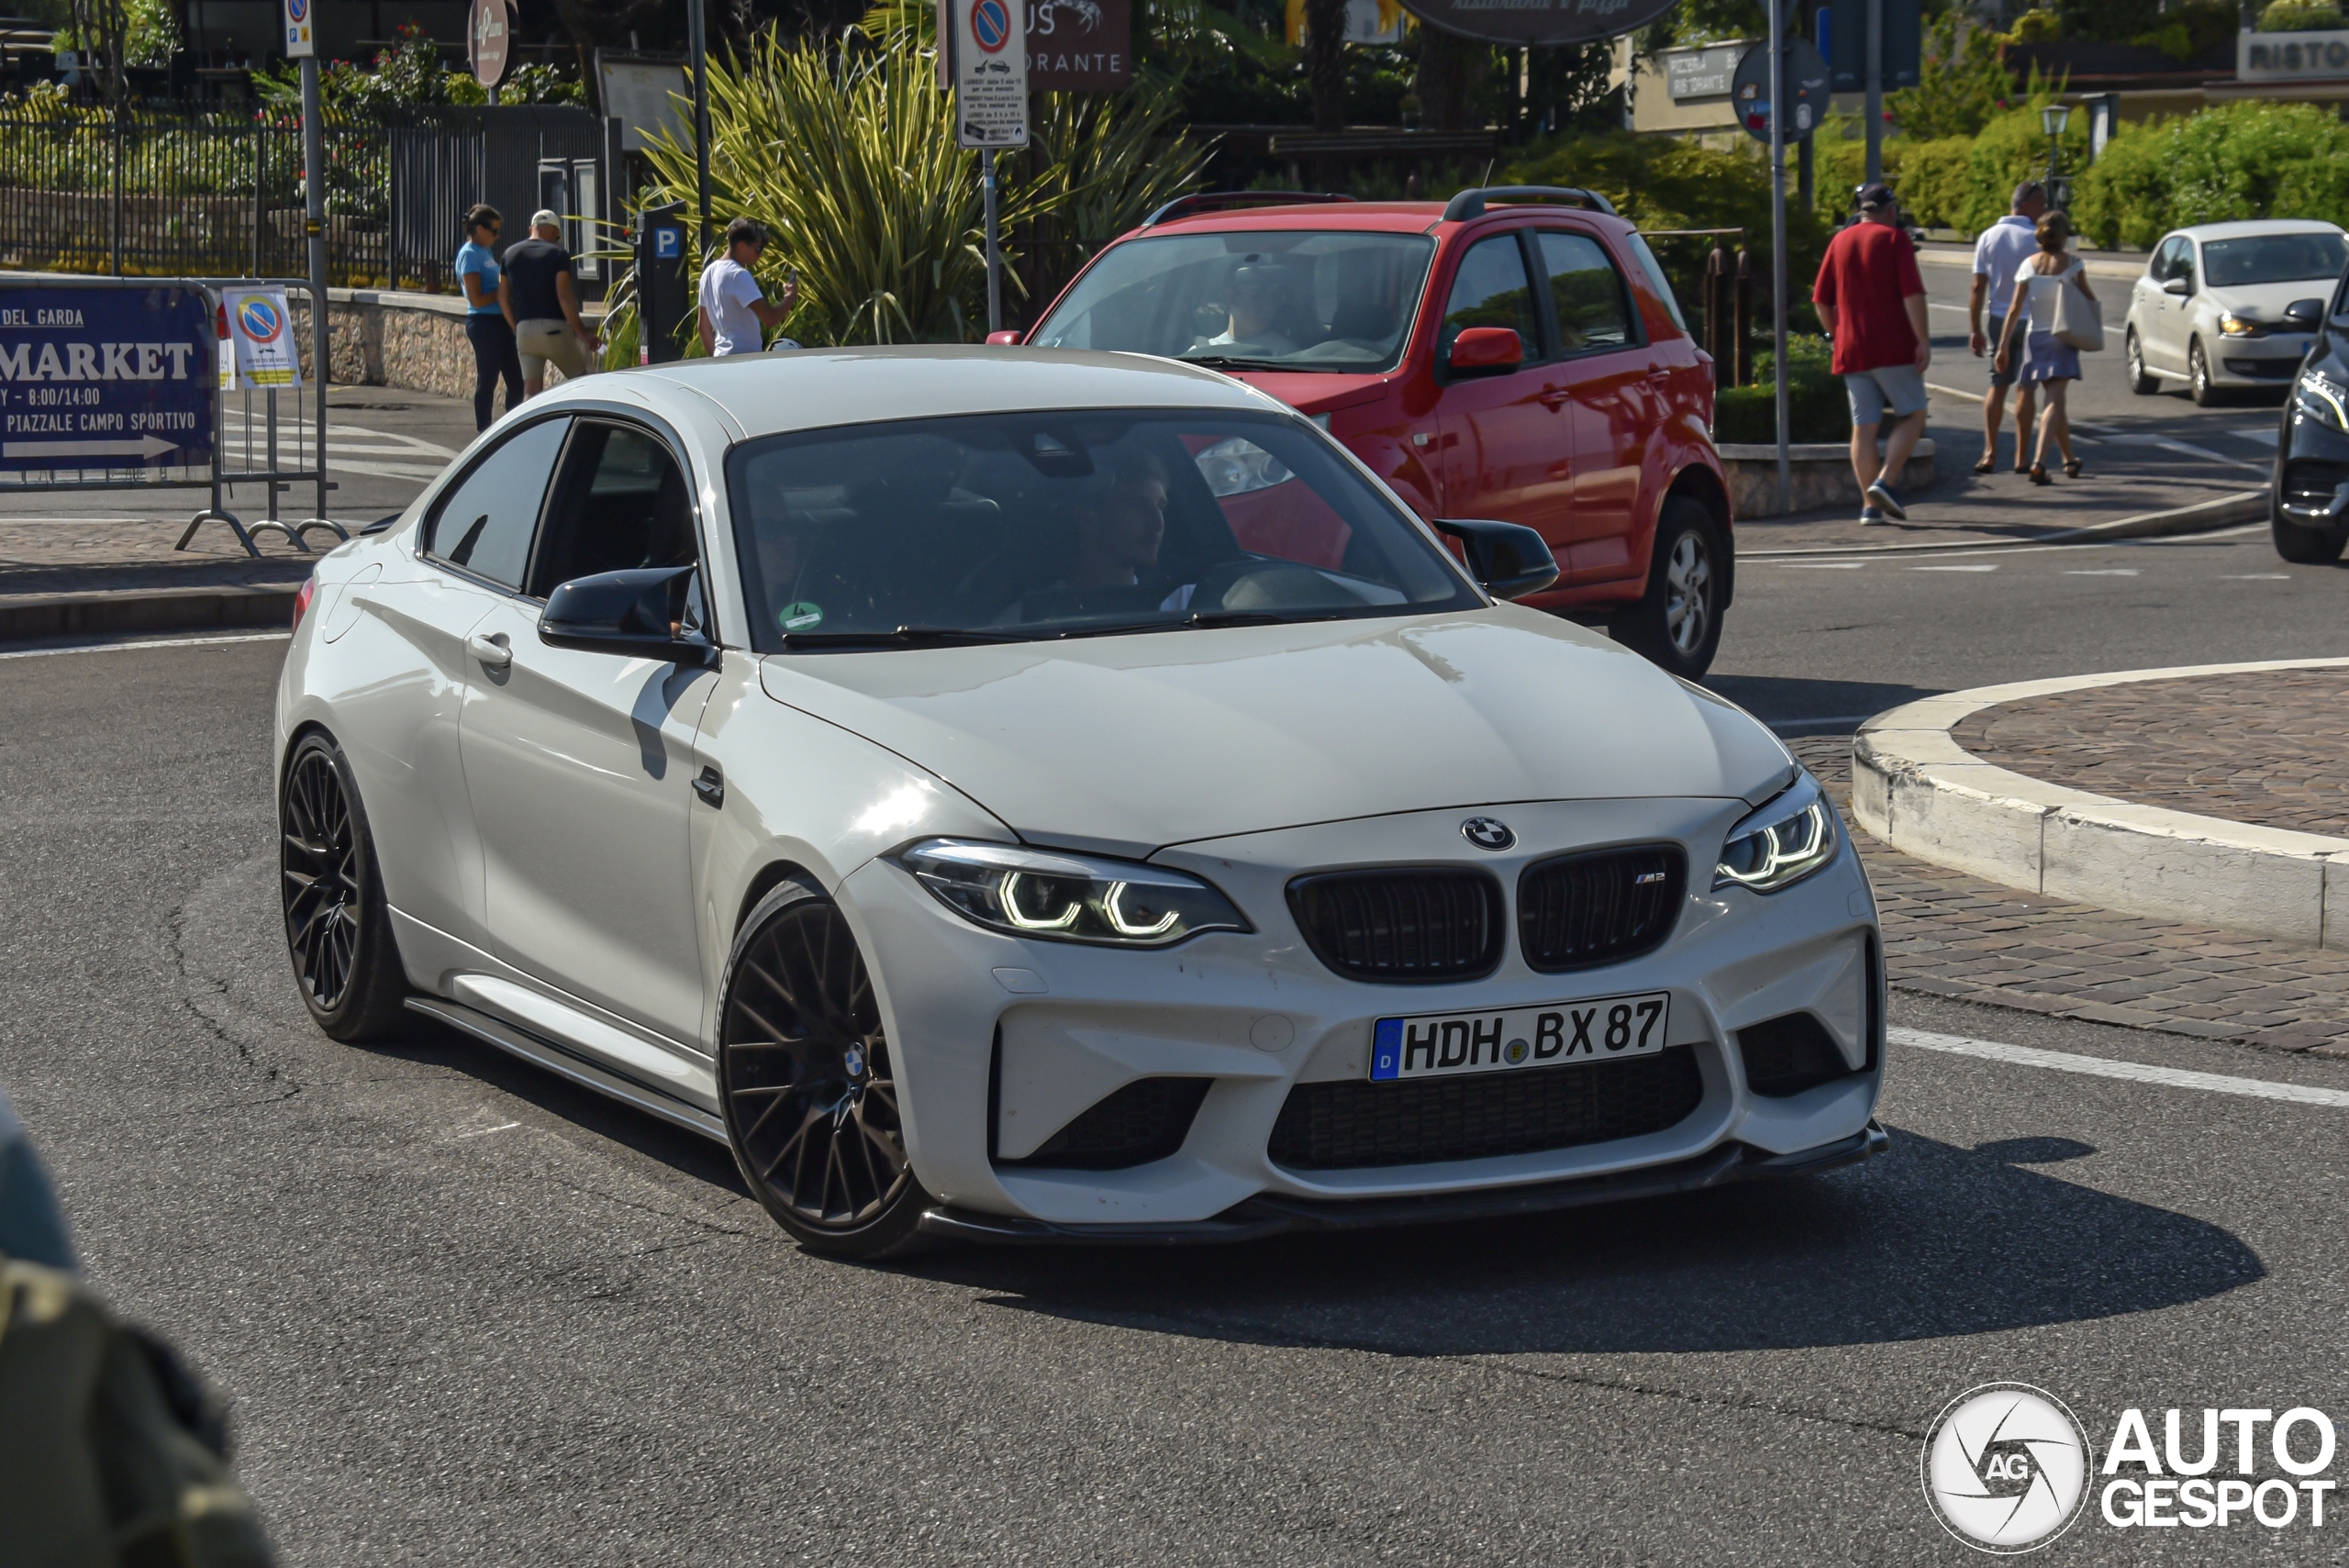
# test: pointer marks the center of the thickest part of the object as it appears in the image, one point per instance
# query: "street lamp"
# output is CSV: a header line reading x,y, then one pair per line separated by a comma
x,y
2053,118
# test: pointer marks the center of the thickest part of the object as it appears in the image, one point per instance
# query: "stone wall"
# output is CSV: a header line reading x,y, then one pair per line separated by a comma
x,y
383,338
1821,476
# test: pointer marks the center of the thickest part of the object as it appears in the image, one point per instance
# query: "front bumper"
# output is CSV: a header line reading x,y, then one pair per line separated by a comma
x,y
1271,1213
2269,361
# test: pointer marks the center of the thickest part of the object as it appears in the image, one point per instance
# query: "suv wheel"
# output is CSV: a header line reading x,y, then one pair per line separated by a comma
x,y
1677,622
2304,545
2141,382
2197,376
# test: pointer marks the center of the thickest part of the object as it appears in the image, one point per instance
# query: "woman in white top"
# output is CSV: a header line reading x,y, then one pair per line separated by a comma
x,y
2049,362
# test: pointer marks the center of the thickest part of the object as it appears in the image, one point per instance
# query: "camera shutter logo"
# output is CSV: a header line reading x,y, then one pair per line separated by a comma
x,y
2006,1467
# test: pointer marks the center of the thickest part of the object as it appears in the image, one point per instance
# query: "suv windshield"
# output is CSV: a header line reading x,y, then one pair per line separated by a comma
x,y
1266,299
2272,259
1014,527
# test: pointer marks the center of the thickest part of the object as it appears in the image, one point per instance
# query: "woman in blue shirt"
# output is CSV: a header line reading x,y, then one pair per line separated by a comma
x,y
485,325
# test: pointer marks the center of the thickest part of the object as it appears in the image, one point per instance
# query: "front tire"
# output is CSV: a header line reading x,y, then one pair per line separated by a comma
x,y
2141,382
2197,377
1677,622
2302,546
805,1084
337,923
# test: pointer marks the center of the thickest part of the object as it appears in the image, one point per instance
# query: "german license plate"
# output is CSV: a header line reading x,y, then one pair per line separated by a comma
x,y
1440,1045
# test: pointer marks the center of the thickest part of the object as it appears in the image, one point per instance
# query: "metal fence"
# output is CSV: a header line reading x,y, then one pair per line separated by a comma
x,y
204,191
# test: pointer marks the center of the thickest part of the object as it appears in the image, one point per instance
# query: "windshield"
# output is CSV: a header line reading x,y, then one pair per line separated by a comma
x,y
2272,259
1014,527
1267,299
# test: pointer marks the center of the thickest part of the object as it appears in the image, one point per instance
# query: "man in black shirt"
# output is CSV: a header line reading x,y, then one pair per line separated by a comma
x,y
541,303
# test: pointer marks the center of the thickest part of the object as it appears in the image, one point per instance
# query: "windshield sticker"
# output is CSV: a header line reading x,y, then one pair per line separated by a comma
x,y
801,617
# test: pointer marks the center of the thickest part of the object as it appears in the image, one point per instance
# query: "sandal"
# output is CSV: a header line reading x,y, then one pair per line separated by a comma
x,y
2071,468
1985,465
2039,474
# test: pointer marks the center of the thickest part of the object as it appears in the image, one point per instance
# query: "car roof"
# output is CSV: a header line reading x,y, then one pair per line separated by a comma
x,y
815,388
1384,217
2244,228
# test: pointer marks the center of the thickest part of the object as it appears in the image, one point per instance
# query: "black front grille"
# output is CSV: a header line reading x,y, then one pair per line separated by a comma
x,y
1351,1124
2265,370
1407,924
1580,910
1146,1120
1788,1054
2309,481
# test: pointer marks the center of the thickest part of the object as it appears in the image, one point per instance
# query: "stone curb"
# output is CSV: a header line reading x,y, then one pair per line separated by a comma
x,y
1914,787
157,609
2225,511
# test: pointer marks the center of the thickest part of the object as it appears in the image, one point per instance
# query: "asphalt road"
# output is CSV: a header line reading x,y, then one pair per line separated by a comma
x,y
469,1313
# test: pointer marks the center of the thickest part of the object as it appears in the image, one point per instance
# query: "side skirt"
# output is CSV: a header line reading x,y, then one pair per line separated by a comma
x,y
557,1059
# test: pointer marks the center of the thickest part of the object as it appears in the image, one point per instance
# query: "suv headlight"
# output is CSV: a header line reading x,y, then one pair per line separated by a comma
x,y
1781,844
1069,899
2322,399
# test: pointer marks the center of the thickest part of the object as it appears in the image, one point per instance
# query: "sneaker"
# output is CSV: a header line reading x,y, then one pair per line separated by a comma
x,y
1870,515
1881,494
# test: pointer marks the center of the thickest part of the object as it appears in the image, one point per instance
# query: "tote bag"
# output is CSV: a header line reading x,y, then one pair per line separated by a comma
x,y
2079,320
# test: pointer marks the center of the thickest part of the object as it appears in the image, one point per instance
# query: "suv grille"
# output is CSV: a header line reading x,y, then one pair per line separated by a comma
x,y
1580,910
1350,1124
1146,1120
1401,923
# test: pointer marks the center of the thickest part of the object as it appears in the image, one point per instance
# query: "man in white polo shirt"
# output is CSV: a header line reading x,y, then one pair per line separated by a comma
x,y
735,315
1997,251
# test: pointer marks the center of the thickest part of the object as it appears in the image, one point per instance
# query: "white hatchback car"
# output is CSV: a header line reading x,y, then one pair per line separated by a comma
x,y
2232,305
1028,794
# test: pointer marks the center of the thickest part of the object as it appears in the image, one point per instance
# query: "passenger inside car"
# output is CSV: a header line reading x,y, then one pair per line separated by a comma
x,y
1256,297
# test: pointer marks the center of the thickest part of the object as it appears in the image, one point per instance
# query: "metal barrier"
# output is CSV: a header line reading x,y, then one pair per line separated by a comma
x,y
114,383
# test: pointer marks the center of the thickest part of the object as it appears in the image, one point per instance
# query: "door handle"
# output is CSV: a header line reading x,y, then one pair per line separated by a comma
x,y
1555,399
711,786
493,652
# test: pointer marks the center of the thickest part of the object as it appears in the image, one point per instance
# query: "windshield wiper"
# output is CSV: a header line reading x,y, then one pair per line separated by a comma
x,y
1237,362
903,636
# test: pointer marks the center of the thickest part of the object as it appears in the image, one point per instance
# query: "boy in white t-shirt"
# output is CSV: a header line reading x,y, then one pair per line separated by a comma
x,y
735,314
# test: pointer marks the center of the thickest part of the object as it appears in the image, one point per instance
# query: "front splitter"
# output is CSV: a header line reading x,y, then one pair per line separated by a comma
x,y
1270,1214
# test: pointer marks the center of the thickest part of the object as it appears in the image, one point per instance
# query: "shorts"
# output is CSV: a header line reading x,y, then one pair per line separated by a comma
x,y
1998,328
1902,387
546,341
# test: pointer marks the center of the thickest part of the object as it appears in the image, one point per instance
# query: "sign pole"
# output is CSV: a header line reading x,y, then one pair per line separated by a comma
x,y
995,249
1876,90
987,64
1778,246
698,45
314,229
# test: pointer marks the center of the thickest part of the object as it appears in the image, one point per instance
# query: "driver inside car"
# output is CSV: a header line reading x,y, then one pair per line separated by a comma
x,y
1120,529
1256,294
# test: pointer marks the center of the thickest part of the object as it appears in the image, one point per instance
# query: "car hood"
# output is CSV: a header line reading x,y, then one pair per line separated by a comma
x,y
1127,744
2266,302
1314,392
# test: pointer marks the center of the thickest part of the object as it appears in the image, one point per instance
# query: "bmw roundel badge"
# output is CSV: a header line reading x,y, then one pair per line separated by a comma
x,y
1488,834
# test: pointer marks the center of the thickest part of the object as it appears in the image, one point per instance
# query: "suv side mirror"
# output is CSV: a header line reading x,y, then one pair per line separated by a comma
x,y
1510,561
2180,287
642,614
2305,315
1484,350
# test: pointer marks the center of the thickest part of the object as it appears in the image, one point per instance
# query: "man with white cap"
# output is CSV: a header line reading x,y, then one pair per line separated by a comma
x,y
541,299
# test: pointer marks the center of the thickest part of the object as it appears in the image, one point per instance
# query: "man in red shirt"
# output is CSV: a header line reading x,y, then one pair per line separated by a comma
x,y
1872,302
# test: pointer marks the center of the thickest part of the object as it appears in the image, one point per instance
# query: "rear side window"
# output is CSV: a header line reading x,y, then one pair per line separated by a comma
x,y
1593,315
1657,280
485,524
1490,290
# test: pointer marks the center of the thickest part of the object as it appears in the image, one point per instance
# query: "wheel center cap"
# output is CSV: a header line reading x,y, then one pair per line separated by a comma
x,y
853,1062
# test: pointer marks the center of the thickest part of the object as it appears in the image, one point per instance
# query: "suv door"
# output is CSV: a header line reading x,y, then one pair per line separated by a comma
x,y
581,765
403,722
1612,386
1507,452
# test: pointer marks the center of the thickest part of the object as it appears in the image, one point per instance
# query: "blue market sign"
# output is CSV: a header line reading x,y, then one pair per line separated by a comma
x,y
106,378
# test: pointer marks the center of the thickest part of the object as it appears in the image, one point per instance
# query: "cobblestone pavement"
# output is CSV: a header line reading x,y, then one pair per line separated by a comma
x,y
1952,935
2266,748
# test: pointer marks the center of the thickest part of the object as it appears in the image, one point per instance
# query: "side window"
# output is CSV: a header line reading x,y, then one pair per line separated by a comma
x,y
2165,260
485,523
621,504
2182,267
1593,314
1491,290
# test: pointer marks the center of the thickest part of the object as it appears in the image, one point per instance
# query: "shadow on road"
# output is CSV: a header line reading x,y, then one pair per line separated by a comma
x,y
1790,699
1929,1241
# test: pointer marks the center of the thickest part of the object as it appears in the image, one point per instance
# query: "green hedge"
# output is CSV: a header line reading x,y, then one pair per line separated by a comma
x,y
2237,161
1817,409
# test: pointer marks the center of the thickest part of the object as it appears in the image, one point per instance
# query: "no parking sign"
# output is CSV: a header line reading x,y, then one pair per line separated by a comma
x,y
259,349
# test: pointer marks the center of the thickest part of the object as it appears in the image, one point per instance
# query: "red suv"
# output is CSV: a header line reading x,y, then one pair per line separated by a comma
x,y
1514,353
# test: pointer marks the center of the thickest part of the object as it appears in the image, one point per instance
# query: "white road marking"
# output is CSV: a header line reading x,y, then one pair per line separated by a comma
x,y
2256,577
485,1131
2188,448
2134,1071
2102,571
2265,435
156,642
7,521
1818,565
399,442
1953,568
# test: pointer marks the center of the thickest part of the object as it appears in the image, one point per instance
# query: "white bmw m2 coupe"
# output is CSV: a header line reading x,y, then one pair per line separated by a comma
x,y
1028,795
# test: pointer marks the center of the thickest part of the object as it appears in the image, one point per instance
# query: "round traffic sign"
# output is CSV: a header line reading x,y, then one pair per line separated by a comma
x,y
488,33
990,25
1805,84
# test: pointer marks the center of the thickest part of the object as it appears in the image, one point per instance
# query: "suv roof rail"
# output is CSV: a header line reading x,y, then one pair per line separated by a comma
x,y
1470,203
1207,201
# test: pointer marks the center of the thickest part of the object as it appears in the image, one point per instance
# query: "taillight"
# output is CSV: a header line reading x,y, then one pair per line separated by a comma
x,y
302,600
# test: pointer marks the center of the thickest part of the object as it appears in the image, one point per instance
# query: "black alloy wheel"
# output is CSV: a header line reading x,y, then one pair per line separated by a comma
x,y
805,1084
2141,382
1677,623
2197,376
338,927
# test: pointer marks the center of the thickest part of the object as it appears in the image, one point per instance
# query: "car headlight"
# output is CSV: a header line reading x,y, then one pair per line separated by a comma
x,y
2323,399
2234,326
1069,899
1781,844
